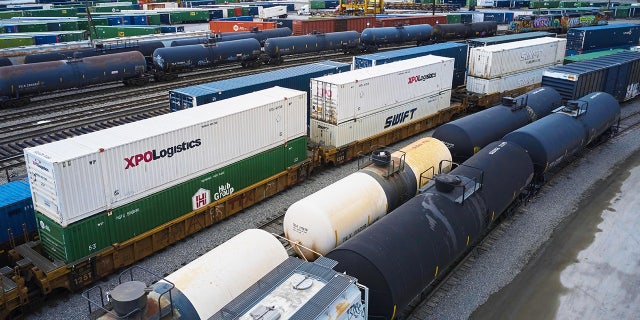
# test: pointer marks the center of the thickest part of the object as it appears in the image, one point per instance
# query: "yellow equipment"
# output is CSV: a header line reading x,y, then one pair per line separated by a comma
x,y
361,7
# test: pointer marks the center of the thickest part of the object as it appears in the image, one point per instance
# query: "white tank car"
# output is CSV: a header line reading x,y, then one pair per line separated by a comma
x,y
205,285
327,218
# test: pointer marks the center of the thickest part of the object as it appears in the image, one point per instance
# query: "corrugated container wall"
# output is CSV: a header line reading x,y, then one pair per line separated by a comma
x,y
294,78
506,83
75,178
458,51
617,74
350,95
613,35
364,126
498,60
16,210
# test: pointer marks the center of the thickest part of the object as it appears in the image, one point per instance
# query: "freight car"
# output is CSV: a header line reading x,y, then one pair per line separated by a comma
x,y
468,135
146,48
372,38
178,295
276,48
169,61
457,31
260,35
4,61
16,217
384,181
398,256
18,83
558,23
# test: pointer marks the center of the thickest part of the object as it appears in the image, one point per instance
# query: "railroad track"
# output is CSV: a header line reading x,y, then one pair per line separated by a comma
x,y
41,121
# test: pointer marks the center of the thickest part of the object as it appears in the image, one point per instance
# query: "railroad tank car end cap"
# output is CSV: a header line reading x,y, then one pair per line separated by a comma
x,y
128,297
447,182
381,158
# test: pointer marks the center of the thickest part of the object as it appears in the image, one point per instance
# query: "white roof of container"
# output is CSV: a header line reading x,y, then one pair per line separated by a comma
x,y
380,70
83,145
518,44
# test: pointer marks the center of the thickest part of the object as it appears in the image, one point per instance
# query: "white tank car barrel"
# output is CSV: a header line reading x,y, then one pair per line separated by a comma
x,y
397,257
467,135
559,135
327,218
202,287
21,81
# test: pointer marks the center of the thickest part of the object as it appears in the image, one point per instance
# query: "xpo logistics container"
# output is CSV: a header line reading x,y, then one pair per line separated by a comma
x,y
108,186
509,66
350,106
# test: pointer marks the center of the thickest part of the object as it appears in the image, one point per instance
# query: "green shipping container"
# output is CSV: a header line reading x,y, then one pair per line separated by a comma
x,y
111,8
10,14
76,241
13,42
245,11
33,27
63,26
142,215
622,12
546,4
188,16
153,19
58,12
69,36
591,55
107,32
453,18
231,12
317,5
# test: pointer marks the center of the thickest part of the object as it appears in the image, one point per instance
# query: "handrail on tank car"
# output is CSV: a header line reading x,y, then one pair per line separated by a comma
x,y
422,175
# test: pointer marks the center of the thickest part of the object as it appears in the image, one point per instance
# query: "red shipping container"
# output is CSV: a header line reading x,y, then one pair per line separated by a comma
x,y
240,26
302,27
411,20
360,23
237,11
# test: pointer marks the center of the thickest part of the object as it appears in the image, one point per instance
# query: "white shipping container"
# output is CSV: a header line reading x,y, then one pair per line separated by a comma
x,y
332,135
506,83
75,178
349,95
507,58
486,4
478,16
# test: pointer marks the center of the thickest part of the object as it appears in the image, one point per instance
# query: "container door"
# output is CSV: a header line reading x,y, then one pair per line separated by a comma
x,y
341,25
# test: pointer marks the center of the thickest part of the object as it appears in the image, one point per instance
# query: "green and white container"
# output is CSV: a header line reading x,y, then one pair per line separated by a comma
x,y
100,172
88,236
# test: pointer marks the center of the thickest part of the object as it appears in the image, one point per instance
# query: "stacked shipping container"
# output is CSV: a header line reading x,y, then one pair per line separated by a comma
x,y
509,66
458,51
106,187
617,74
350,106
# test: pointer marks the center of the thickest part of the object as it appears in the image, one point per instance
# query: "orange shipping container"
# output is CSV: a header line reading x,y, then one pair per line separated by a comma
x,y
411,20
302,27
360,23
240,26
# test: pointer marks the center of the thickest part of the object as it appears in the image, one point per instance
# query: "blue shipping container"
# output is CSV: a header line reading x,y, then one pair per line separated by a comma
x,y
16,210
215,14
294,78
454,50
138,20
45,39
171,29
613,35
115,21
617,74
